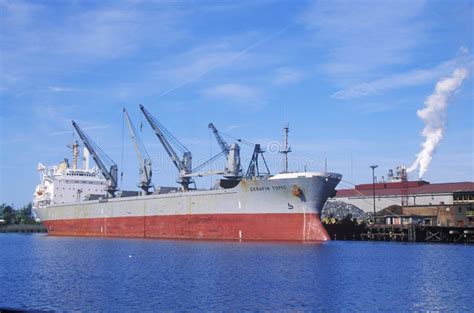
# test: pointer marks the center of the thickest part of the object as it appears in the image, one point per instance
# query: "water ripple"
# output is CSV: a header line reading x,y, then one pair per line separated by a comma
x,y
91,274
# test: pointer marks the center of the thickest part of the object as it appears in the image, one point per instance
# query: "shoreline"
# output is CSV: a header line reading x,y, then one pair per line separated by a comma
x,y
23,228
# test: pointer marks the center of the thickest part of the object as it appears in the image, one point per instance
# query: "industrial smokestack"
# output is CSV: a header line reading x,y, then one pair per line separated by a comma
x,y
434,115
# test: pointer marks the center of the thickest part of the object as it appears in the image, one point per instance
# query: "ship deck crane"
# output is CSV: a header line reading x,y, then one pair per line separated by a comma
x,y
183,165
106,165
233,168
144,160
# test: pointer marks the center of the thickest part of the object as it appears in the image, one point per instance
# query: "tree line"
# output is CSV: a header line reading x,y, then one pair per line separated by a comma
x,y
17,216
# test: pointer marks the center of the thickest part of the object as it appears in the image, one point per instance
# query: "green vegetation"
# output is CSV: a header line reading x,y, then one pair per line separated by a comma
x,y
11,216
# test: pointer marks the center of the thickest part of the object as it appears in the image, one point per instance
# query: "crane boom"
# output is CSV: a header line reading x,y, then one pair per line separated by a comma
x,y
110,170
222,143
144,159
183,165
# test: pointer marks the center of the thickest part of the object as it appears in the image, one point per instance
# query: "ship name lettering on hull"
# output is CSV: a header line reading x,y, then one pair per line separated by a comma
x,y
266,188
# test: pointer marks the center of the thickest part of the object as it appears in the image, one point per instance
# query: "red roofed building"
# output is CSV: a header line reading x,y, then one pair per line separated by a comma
x,y
451,203
456,198
410,193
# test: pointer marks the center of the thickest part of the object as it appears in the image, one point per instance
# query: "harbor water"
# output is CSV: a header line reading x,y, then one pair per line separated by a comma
x,y
40,272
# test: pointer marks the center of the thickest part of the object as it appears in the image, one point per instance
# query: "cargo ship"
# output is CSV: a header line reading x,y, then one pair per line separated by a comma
x,y
254,205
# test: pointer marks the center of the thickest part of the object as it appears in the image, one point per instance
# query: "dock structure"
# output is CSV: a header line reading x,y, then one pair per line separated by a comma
x,y
418,233
388,233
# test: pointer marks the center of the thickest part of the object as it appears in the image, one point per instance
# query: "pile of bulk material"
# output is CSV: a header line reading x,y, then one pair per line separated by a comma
x,y
339,210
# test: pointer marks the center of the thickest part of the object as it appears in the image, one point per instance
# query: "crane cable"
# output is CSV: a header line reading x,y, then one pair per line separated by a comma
x,y
245,142
121,157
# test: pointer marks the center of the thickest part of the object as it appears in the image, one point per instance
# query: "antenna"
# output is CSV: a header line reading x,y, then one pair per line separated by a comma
x,y
286,148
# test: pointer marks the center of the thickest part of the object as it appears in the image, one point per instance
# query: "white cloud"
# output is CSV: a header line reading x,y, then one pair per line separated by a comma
x,y
66,132
230,54
197,62
117,30
411,78
360,38
44,44
235,93
287,76
60,89
406,79
38,39
234,127
103,33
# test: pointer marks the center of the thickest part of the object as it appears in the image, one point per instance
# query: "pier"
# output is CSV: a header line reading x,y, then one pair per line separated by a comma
x,y
419,233
401,233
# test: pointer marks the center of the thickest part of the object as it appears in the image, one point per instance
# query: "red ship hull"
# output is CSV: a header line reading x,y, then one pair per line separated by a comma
x,y
277,227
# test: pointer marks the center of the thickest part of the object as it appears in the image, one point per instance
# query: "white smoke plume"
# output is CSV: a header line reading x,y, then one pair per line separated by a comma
x,y
434,115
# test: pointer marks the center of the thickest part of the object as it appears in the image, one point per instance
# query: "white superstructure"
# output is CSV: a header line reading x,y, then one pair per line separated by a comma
x,y
61,184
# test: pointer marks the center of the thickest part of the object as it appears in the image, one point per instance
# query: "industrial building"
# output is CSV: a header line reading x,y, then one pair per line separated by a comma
x,y
449,204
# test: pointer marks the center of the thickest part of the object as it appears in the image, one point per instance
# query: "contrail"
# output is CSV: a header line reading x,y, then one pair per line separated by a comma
x,y
85,128
434,115
240,54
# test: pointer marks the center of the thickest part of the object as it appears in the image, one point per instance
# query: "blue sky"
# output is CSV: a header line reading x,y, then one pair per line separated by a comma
x,y
349,77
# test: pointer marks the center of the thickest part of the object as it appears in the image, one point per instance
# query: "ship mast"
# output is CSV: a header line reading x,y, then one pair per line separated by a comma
x,y
75,154
286,149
